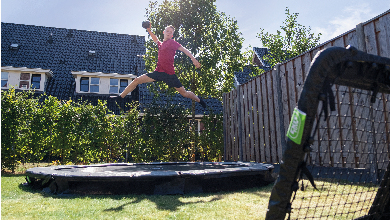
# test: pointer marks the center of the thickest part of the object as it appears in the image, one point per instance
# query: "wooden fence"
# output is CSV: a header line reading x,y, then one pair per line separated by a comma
x,y
257,114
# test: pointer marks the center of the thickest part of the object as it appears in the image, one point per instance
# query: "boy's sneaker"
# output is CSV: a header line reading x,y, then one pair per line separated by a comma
x,y
202,103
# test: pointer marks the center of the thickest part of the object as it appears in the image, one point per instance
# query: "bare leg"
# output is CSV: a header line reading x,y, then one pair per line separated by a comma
x,y
139,80
187,94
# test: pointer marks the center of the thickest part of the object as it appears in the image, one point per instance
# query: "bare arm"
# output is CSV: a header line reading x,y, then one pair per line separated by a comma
x,y
155,39
188,53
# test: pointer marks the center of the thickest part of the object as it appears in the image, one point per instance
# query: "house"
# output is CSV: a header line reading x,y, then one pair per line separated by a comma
x,y
257,61
78,64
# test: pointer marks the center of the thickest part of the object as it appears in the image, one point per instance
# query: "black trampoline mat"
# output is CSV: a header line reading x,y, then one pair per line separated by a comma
x,y
148,169
157,178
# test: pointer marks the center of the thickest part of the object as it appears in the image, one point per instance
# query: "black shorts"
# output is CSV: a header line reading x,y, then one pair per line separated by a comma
x,y
170,80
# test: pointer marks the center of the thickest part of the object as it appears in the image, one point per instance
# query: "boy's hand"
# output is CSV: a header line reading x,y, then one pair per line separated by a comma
x,y
150,26
196,63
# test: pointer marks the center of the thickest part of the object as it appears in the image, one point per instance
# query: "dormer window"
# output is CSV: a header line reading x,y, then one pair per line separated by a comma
x,y
24,78
101,83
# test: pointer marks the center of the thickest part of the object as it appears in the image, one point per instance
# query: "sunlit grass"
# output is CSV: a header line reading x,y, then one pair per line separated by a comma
x,y
333,200
21,202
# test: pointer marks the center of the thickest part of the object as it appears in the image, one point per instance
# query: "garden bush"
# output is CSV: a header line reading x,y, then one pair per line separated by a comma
x,y
37,128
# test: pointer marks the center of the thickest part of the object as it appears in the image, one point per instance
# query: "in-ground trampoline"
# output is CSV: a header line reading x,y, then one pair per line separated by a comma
x,y
150,178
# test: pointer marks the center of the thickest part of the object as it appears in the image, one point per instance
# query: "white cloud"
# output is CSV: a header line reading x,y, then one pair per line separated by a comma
x,y
350,17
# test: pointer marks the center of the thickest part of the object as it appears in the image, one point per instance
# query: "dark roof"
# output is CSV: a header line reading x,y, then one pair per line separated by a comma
x,y
65,50
259,55
244,76
258,61
146,97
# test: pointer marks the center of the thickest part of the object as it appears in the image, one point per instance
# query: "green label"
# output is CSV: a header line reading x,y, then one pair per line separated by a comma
x,y
295,130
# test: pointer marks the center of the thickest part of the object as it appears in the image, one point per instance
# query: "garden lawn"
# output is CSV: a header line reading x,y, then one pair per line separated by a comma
x,y
21,202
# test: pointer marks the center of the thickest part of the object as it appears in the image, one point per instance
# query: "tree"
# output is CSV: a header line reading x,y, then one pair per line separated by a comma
x,y
211,36
296,40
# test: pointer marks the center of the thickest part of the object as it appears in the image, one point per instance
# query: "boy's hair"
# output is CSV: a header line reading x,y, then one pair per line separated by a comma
x,y
170,26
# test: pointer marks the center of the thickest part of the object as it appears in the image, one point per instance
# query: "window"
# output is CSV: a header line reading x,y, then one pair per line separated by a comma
x,y
123,85
36,81
118,85
84,84
94,84
88,84
24,81
4,79
101,83
114,85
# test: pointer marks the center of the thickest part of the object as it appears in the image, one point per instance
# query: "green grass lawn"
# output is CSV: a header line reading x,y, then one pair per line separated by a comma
x,y
333,201
21,202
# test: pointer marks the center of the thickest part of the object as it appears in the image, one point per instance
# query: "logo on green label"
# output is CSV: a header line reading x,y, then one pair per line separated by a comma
x,y
297,123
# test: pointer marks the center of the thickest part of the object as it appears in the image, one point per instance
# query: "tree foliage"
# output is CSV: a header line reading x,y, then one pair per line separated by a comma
x,y
210,35
296,40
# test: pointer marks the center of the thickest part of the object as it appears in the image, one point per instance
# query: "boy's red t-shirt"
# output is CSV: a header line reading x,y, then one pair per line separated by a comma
x,y
166,56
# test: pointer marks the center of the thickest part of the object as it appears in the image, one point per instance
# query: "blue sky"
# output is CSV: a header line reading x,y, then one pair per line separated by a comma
x,y
330,17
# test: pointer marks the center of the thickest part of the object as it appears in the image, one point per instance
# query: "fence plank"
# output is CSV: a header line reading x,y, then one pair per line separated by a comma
x,y
261,117
383,30
253,109
369,32
346,126
285,99
242,123
266,119
380,131
225,135
256,93
339,42
298,76
328,44
386,108
278,133
245,125
271,115
351,39
227,117
235,126
361,102
291,87
335,133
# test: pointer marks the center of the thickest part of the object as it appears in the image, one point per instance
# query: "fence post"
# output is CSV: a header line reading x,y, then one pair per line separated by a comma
x,y
239,115
361,41
280,113
224,103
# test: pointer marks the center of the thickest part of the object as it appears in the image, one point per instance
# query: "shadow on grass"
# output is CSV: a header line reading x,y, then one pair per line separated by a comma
x,y
162,202
166,202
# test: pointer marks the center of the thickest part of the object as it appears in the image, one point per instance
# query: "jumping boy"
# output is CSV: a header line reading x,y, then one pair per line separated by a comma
x,y
165,70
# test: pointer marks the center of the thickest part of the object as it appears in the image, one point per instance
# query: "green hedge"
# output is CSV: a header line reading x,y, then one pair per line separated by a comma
x,y
36,129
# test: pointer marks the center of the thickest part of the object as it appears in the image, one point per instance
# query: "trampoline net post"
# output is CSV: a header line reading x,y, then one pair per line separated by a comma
x,y
346,149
